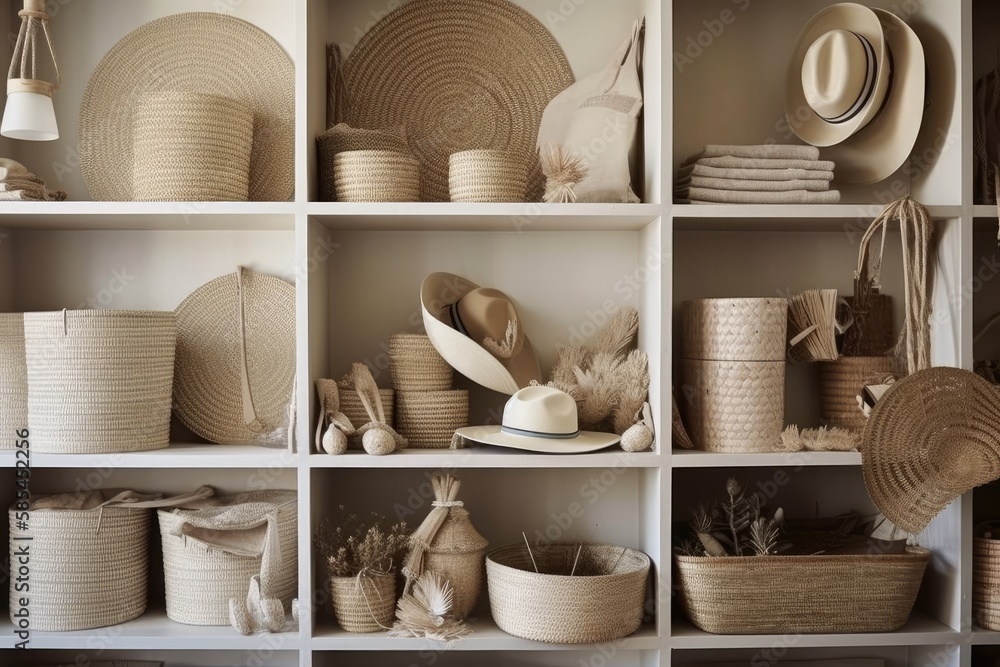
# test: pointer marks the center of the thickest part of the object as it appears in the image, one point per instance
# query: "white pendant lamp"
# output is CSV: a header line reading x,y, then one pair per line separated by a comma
x,y
29,114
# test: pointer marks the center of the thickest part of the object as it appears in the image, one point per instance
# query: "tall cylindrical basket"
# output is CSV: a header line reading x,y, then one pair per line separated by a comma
x,y
13,379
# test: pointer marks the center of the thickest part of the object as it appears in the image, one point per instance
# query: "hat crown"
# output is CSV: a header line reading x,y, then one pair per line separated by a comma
x,y
838,74
540,410
487,313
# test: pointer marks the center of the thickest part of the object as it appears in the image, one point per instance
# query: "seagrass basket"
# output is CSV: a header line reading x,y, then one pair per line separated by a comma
x,y
986,583
350,405
457,554
376,176
600,602
740,329
841,382
364,604
429,419
800,594
486,175
342,137
415,365
99,381
13,379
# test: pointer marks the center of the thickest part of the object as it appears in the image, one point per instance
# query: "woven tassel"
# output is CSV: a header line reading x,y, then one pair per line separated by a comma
x,y
445,491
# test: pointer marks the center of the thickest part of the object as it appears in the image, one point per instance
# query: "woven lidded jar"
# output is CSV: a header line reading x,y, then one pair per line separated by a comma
x,y
458,553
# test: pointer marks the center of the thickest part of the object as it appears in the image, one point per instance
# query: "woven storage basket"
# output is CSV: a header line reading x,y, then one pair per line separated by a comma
x,y
486,175
597,604
201,576
734,406
13,379
841,381
429,419
99,381
457,555
415,365
364,604
986,583
342,137
376,176
191,147
800,594
350,405
734,329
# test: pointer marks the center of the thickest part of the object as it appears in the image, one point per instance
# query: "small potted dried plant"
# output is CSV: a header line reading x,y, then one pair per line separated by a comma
x,y
362,560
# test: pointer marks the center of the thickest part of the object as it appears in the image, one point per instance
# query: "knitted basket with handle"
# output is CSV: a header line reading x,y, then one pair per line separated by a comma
x,y
415,364
486,175
13,379
342,137
191,147
365,603
986,583
429,419
841,382
376,176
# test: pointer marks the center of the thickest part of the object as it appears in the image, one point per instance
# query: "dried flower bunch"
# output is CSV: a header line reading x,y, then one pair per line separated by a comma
x,y
351,546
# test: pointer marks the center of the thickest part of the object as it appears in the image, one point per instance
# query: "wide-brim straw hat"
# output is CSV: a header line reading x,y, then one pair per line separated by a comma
x,y
195,52
477,330
855,85
933,436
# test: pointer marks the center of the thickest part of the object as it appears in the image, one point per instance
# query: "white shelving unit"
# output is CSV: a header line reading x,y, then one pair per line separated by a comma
x,y
358,267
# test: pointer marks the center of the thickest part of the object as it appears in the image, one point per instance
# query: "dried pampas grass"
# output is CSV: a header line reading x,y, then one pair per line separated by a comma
x,y
425,612
820,439
562,172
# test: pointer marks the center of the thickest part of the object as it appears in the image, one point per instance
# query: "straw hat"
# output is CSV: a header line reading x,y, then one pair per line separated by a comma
x,y
933,436
540,419
196,52
477,331
855,84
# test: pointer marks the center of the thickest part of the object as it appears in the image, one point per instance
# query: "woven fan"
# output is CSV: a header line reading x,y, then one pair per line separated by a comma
x,y
813,326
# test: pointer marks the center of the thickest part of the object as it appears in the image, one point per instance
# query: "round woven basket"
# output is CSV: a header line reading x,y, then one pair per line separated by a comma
x,y
734,329
13,379
364,604
191,147
99,381
429,419
341,138
486,176
415,365
733,406
840,383
986,583
601,602
376,176
351,406
457,555
800,594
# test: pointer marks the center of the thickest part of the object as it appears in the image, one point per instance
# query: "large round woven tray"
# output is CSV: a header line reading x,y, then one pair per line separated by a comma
x,y
459,74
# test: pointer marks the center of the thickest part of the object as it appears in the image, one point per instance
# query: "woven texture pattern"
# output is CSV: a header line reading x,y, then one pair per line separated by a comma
x,y
457,554
429,419
191,147
341,138
415,365
364,604
840,383
486,176
986,583
800,594
195,52
734,406
99,381
459,74
597,604
376,176
82,577
201,580
13,379
350,405
734,329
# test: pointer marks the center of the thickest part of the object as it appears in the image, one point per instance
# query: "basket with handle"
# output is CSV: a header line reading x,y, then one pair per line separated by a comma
x,y
13,379
841,382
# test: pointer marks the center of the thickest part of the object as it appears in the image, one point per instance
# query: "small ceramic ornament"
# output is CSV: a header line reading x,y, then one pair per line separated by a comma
x,y
639,436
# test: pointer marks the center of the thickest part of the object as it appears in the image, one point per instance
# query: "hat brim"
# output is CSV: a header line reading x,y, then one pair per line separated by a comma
x,y
586,441
465,355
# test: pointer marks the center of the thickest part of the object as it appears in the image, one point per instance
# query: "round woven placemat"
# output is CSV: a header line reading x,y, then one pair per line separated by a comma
x,y
459,74
208,394
198,52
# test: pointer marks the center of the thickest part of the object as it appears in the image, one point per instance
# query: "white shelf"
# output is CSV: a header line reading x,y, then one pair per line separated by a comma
x,y
985,211
175,456
686,458
486,457
193,216
786,217
985,637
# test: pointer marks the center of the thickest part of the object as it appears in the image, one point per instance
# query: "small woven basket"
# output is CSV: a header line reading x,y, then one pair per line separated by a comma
x,y
734,329
486,175
429,419
986,583
376,176
601,602
734,406
13,379
415,365
364,604
840,383
99,381
191,147
341,138
800,594
350,405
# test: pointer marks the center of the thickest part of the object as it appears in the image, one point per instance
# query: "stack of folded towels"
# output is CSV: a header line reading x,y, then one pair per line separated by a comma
x,y
763,174
19,184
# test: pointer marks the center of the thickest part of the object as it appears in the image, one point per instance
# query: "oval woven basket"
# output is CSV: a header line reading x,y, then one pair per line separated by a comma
x,y
191,147
13,379
376,176
429,419
364,604
456,553
747,329
601,602
986,583
342,137
486,175
351,406
800,594
841,381
99,381
415,365
734,406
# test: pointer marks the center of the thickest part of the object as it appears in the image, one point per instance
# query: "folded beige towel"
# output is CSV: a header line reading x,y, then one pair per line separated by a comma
x,y
731,162
710,196
752,186
30,187
32,195
755,174
771,151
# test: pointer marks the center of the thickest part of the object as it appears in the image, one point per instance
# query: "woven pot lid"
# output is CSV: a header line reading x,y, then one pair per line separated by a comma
x,y
201,52
212,395
933,436
459,74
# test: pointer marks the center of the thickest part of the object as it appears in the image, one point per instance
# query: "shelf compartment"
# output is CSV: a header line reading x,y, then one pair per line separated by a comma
x,y
193,216
176,456
686,458
482,457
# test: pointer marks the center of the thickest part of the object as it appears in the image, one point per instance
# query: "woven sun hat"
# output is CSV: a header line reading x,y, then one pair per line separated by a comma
x,y
540,419
855,84
477,331
235,368
196,52
457,73
933,436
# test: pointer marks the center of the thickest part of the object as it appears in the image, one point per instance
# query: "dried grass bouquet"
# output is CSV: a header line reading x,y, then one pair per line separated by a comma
x,y
351,546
